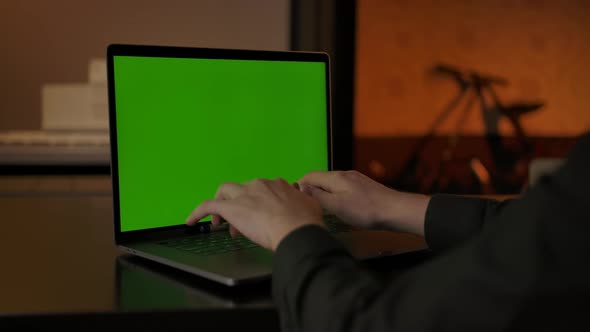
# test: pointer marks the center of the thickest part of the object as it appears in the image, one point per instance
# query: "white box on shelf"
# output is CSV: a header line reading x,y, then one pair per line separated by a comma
x,y
74,106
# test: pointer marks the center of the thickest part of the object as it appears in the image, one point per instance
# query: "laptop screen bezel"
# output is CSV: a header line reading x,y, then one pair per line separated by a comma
x,y
196,53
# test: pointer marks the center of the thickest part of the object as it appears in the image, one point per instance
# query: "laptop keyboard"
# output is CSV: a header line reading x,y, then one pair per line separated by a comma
x,y
210,244
221,242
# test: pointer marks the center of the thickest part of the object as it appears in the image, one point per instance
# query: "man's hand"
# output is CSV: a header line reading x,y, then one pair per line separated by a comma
x,y
265,211
362,202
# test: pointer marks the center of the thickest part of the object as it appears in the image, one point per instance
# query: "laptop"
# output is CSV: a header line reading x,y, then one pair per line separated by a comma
x,y
184,120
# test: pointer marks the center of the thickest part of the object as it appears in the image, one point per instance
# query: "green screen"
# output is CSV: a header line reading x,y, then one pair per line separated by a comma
x,y
184,126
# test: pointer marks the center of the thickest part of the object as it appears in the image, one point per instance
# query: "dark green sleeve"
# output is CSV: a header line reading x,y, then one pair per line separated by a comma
x,y
527,270
451,220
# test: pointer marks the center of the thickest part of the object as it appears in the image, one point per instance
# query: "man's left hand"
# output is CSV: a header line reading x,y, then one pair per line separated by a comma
x,y
264,211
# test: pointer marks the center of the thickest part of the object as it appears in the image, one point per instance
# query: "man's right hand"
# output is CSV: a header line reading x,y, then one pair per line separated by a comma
x,y
363,202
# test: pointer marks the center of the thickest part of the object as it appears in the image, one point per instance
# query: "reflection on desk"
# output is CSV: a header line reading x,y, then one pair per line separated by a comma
x,y
143,285
61,268
59,256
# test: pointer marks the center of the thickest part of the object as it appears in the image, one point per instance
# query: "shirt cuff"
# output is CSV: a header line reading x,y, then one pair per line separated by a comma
x,y
451,220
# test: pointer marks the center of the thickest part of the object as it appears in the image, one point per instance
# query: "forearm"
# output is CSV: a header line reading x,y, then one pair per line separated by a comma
x,y
451,220
404,212
317,285
522,258
444,220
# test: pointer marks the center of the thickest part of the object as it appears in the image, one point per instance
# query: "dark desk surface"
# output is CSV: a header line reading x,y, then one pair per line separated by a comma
x,y
58,256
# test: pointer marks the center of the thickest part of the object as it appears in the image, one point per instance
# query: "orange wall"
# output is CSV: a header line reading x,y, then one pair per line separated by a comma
x,y
541,47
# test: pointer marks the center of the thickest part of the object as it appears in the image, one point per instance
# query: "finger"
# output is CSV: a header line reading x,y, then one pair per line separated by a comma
x,y
328,201
328,181
256,184
281,181
216,220
234,232
209,207
229,190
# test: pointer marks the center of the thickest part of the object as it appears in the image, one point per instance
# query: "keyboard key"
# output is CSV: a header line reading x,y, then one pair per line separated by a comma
x,y
209,244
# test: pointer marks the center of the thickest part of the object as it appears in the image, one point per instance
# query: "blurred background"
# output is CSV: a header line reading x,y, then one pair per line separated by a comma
x,y
52,42
430,96
460,96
